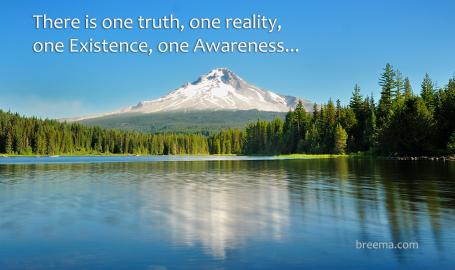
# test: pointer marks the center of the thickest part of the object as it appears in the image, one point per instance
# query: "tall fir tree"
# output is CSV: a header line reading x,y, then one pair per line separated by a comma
x,y
356,100
399,87
387,83
427,92
407,88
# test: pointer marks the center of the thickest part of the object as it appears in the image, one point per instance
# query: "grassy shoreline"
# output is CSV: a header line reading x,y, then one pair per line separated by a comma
x,y
281,156
284,156
312,156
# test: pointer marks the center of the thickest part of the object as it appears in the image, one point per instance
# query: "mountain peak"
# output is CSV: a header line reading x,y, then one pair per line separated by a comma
x,y
220,72
219,89
223,75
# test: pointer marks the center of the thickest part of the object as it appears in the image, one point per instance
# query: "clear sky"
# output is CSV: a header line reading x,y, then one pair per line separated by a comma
x,y
341,43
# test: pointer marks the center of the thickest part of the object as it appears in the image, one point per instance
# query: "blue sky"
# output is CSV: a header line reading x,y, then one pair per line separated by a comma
x,y
341,43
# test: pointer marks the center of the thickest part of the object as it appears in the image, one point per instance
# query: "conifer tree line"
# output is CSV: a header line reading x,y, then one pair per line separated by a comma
x,y
400,123
22,135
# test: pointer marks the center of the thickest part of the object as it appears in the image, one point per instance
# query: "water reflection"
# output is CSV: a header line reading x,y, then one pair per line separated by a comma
x,y
299,208
404,190
219,210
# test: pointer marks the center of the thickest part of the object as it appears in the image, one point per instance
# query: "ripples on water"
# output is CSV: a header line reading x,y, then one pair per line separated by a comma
x,y
206,214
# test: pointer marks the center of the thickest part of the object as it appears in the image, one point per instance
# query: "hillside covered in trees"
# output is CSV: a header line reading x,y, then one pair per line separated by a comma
x,y
185,122
400,123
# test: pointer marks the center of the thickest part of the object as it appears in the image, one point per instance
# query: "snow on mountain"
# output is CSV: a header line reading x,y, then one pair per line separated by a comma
x,y
220,89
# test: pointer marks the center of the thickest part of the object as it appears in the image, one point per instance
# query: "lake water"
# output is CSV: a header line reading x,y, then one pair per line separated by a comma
x,y
156,213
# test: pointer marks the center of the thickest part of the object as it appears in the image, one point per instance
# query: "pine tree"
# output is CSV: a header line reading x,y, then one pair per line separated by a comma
x,y
399,87
427,92
301,120
9,141
338,110
407,88
387,83
315,113
370,126
340,138
356,99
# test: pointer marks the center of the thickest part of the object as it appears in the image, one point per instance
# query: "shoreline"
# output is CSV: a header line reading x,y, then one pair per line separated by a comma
x,y
433,158
287,156
283,156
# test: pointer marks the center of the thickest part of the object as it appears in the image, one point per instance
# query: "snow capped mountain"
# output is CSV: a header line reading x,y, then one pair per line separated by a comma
x,y
220,89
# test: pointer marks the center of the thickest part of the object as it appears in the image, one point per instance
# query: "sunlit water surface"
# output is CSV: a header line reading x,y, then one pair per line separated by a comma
x,y
224,213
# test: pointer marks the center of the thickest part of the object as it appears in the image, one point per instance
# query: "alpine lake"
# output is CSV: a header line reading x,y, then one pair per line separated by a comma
x,y
205,212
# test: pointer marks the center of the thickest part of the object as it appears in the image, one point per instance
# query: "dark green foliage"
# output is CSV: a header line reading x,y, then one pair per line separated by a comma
x,y
408,124
227,142
264,137
409,131
22,135
295,126
302,132
427,92
444,113
362,124
451,144
388,84
356,99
